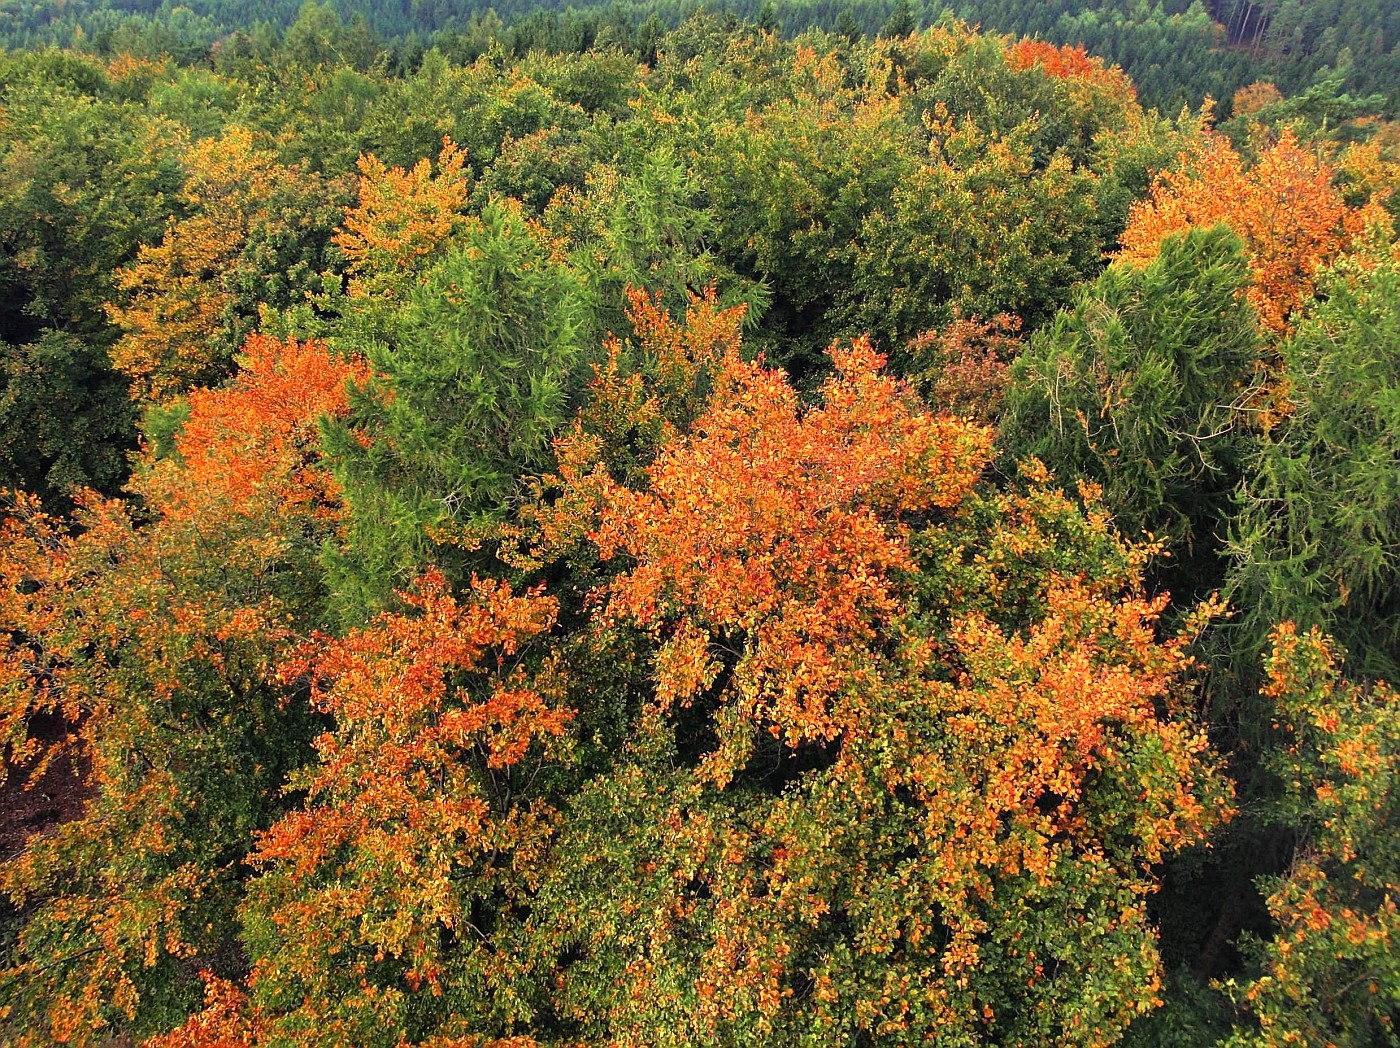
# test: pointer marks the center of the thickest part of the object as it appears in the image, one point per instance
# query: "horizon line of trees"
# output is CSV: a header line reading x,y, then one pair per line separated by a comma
x,y
1177,52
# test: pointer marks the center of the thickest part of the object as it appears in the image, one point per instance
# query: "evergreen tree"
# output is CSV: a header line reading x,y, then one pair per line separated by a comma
x,y
847,26
1319,519
901,21
1144,387
467,393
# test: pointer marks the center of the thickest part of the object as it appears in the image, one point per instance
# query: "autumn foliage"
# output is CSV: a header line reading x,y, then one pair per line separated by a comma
x,y
893,779
616,536
646,391
1331,974
402,217
962,368
161,637
244,469
252,444
1070,63
417,809
783,527
1285,206
1254,97
222,1023
185,304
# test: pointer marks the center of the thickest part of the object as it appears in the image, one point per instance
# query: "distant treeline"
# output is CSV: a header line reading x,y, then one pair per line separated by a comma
x,y
1177,52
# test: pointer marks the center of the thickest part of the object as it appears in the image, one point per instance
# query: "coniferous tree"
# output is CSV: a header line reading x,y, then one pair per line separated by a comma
x,y
1145,386
901,21
1319,515
469,387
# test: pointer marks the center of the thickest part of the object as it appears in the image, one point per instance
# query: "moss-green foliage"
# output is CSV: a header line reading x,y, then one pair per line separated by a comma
x,y
977,230
472,383
65,418
1318,526
86,176
1144,387
1173,49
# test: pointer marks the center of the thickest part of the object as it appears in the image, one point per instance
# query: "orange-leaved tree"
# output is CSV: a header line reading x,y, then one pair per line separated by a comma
x,y
649,390
963,368
254,236
773,522
1256,96
1285,207
387,904
224,1022
403,217
1331,974
156,639
1073,63
906,754
885,753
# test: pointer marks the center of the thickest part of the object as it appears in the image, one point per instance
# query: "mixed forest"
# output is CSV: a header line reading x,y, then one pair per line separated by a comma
x,y
651,528
1176,51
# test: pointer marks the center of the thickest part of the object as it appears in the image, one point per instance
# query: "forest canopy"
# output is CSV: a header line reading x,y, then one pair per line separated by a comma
x,y
648,527
1177,51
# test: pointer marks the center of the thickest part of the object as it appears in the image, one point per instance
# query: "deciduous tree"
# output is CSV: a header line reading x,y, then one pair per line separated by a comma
x,y
253,238
387,904
402,219
1285,207
1330,975
156,643
898,731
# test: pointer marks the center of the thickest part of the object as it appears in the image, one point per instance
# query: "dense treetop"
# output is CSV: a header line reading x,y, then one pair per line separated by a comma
x,y
607,529
1177,51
